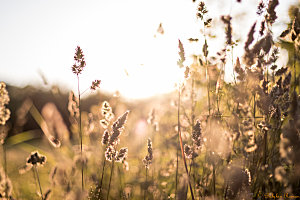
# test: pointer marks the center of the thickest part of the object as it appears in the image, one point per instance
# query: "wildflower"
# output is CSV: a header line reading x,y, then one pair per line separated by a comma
x,y
79,62
36,159
105,137
122,154
147,161
117,129
95,84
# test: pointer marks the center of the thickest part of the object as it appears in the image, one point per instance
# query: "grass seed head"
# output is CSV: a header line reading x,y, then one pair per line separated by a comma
x,y
147,161
79,62
105,137
95,84
122,154
117,129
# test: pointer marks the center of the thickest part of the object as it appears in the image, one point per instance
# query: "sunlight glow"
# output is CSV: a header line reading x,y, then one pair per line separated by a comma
x,y
119,40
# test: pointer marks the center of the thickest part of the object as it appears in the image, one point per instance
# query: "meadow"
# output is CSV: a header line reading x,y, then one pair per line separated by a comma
x,y
210,138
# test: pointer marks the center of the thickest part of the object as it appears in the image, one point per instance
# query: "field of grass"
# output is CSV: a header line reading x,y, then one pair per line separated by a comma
x,y
207,139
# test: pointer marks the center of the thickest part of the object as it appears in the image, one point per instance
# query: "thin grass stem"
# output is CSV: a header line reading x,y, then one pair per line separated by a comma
x,y
80,133
38,179
111,174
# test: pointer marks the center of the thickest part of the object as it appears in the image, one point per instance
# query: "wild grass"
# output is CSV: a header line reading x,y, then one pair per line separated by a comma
x,y
209,139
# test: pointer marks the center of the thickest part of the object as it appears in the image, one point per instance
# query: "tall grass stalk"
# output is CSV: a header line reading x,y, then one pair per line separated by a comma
x,y
146,185
80,133
181,147
38,179
102,175
5,164
177,147
110,178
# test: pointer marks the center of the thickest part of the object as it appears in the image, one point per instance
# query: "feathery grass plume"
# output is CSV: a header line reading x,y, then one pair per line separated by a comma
x,y
147,161
106,112
79,63
196,134
250,37
110,153
73,106
151,117
202,10
281,71
5,185
151,120
187,72
228,30
4,99
205,48
260,8
105,137
181,54
3,133
121,154
189,151
239,70
271,16
117,129
262,28
95,84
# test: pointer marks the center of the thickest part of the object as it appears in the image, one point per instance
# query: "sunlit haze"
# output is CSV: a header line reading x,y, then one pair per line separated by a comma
x,y
119,40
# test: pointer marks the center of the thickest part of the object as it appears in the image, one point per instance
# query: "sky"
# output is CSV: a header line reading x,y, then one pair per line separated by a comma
x,y
119,39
